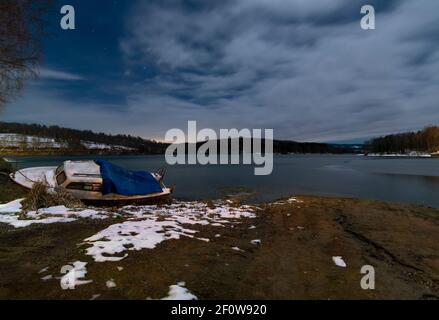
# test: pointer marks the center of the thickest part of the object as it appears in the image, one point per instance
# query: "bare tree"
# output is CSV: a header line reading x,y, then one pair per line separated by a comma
x,y
22,27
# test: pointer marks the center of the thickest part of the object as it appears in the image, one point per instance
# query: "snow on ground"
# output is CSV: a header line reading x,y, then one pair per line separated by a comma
x,y
62,211
24,141
286,201
101,146
11,207
110,284
14,221
47,278
144,228
339,262
148,226
44,270
13,140
108,244
180,293
411,154
10,214
256,242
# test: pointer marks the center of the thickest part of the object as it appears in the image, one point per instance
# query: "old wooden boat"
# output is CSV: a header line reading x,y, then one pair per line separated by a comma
x,y
98,182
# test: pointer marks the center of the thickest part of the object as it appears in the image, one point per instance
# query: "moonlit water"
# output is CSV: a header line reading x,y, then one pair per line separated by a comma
x,y
406,180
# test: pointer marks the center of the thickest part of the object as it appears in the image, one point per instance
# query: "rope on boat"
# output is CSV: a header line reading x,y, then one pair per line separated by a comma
x,y
19,171
46,182
27,178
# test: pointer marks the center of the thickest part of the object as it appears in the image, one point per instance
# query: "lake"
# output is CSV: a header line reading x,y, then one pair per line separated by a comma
x,y
409,180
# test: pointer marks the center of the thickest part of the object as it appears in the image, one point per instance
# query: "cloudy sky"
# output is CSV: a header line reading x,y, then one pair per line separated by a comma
x,y
304,68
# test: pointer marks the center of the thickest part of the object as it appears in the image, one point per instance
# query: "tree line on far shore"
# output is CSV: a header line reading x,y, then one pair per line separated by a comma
x,y
426,140
74,138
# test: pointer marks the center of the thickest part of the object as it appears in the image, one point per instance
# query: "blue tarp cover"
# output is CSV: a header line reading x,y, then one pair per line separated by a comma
x,y
127,183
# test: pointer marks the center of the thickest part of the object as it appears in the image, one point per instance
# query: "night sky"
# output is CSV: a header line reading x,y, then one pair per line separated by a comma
x,y
303,68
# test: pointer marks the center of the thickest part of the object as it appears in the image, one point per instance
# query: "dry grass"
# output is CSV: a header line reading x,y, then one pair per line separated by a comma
x,y
5,167
39,197
8,190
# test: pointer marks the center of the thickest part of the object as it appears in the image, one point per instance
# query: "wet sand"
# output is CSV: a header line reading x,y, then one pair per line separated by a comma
x,y
293,261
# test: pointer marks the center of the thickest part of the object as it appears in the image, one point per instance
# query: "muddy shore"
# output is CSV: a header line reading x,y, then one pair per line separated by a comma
x,y
293,260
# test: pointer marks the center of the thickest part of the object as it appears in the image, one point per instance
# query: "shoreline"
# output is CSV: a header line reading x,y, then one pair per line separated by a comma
x,y
284,252
293,248
402,156
10,191
7,157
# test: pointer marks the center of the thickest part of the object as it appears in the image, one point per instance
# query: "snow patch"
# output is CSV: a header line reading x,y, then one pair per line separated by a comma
x,y
256,242
16,222
148,226
11,207
32,142
132,235
59,214
44,270
286,201
62,211
47,278
179,292
110,284
101,146
411,154
339,262
144,227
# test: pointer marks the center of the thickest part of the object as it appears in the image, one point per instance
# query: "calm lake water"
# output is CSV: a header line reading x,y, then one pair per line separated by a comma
x,y
396,179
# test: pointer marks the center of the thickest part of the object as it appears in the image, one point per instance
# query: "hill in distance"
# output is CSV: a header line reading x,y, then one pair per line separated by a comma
x,y
35,139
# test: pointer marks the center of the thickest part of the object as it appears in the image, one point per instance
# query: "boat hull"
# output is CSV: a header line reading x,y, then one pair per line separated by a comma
x,y
26,178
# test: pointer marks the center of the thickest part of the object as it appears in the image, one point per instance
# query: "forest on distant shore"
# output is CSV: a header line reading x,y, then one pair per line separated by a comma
x,y
426,140
74,137
74,141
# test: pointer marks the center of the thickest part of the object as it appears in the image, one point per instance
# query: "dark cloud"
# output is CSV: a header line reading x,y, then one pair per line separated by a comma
x,y
304,68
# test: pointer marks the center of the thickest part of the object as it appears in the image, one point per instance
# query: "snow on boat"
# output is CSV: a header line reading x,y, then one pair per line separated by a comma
x,y
97,182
